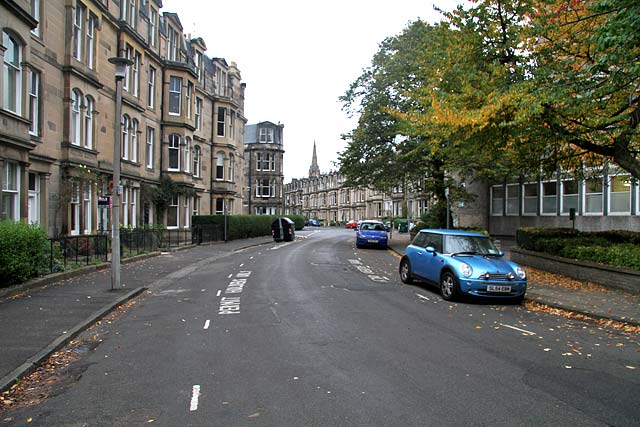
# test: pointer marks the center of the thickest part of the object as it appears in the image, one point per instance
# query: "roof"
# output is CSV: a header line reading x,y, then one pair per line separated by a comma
x,y
453,232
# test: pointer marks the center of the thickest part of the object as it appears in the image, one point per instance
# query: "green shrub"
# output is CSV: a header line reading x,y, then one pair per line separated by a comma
x,y
23,252
615,247
622,255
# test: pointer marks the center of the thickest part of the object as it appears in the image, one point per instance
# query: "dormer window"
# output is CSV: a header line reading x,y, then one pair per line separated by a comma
x,y
266,135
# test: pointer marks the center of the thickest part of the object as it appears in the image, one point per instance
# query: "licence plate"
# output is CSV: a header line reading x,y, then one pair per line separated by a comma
x,y
372,241
498,288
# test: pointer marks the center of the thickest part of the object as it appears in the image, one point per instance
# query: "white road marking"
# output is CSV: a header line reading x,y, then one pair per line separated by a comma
x,y
230,276
241,265
422,296
195,395
219,293
517,329
279,246
206,324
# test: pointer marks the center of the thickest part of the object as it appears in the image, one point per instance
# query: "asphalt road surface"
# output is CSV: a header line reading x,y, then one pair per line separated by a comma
x,y
318,333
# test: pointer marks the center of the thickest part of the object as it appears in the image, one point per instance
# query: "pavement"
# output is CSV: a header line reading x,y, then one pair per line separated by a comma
x,y
39,318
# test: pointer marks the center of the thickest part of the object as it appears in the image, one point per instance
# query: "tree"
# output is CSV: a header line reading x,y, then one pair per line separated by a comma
x,y
385,150
587,77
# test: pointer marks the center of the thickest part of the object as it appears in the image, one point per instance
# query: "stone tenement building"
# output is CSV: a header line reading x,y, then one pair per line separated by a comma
x,y
322,196
182,117
264,173
603,201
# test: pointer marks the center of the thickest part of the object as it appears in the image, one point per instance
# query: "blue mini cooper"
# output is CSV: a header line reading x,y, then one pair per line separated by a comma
x,y
462,263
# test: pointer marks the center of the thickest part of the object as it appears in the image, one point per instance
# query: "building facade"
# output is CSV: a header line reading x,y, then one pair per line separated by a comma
x,y
58,104
264,169
601,201
324,197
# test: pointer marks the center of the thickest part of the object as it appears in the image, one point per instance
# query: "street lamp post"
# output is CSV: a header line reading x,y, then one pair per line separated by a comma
x,y
121,70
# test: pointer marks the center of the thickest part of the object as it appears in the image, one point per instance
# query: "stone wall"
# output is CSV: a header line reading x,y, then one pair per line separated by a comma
x,y
614,277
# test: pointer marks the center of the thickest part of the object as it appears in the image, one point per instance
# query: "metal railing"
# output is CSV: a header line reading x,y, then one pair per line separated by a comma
x,y
78,251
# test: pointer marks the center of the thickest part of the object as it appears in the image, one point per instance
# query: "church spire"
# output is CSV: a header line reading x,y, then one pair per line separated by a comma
x,y
314,170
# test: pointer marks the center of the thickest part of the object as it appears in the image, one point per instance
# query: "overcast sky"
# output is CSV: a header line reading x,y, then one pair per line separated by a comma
x,y
297,57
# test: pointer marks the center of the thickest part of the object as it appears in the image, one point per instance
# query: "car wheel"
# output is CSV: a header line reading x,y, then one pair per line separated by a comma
x,y
405,272
518,300
448,286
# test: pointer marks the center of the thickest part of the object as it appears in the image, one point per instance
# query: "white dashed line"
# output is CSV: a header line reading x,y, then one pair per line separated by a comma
x,y
517,329
229,276
195,395
219,293
206,324
422,296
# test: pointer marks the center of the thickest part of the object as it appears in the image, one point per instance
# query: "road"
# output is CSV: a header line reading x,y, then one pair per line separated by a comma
x,y
318,333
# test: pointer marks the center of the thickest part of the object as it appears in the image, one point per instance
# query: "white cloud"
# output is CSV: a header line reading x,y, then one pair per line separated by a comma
x,y
298,57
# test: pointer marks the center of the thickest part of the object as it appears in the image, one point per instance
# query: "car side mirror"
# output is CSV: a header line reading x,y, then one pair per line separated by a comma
x,y
431,250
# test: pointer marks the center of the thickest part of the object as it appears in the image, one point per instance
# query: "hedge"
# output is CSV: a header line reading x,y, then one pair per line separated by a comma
x,y
23,252
246,226
616,247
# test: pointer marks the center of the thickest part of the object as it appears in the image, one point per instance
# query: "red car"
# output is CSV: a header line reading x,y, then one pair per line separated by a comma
x,y
352,224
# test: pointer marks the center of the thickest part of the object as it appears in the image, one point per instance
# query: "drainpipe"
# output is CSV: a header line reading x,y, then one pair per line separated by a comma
x,y
250,180
213,109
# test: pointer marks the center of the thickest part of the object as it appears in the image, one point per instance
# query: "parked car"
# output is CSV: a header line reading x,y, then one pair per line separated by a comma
x,y
462,263
313,223
352,224
371,233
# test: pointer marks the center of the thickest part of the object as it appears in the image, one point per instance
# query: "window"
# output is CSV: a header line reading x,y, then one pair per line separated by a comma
x,y
35,13
196,206
497,200
151,94
513,199
86,207
186,212
128,53
187,100
11,191
232,117
264,188
76,105
172,44
133,207
126,124
174,152
149,152
124,211
88,122
219,206
34,199
135,83
74,210
90,44
258,161
153,22
222,112
12,74
34,102
134,140
187,154
549,193
231,167
593,196
128,12
620,195
197,60
172,213
569,196
196,161
266,135
198,112
78,23
175,93
530,202
220,166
